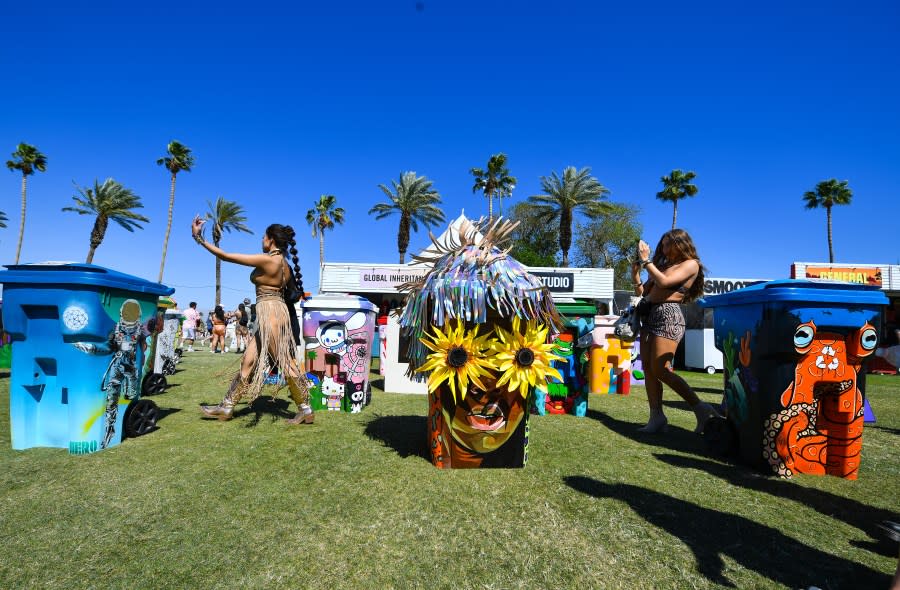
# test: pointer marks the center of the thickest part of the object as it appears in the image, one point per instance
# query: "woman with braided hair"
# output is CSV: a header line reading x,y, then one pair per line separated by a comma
x,y
277,331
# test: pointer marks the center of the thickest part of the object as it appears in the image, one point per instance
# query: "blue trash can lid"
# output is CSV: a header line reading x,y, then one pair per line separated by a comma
x,y
801,290
75,273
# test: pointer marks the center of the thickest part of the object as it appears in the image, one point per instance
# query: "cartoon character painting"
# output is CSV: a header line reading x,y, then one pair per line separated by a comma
x,y
819,429
339,331
333,392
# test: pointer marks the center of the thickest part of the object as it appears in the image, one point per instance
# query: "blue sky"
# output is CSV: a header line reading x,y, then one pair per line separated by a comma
x,y
288,101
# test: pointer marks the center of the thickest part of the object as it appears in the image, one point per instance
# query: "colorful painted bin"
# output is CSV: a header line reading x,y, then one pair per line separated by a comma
x,y
610,359
477,325
794,384
79,339
569,395
338,332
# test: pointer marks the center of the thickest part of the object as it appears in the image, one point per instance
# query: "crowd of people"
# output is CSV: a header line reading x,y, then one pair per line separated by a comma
x,y
222,331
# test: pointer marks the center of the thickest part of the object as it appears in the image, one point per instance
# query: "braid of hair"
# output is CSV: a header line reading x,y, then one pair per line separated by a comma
x,y
292,243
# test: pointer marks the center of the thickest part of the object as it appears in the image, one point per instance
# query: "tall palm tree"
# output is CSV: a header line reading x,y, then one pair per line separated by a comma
x,y
494,181
574,191
829,193
3,220
109,201
26,159
226,216
415,201
676,186
178,158
322,216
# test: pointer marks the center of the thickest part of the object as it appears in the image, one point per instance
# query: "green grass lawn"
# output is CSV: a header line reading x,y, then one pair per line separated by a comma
x,y
353,502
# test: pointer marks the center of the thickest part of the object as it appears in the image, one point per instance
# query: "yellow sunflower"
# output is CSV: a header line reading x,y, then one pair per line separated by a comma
x,y
524,359
458,357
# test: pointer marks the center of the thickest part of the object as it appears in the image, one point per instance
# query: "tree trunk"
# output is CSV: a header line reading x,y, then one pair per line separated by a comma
x,y
162,263
500,203
97,234
674,212
830,243
565,234
403,236
321,256
22,223
218,278
490,206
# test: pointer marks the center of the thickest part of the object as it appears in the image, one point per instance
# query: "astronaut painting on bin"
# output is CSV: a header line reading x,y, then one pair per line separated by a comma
x,y
122,375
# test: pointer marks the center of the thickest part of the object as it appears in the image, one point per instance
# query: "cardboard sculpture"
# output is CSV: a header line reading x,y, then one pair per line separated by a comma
x,y
478,327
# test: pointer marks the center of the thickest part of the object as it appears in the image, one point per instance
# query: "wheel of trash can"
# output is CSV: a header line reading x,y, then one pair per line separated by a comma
x,y
711,370
158,382
147,384
140,417
720,436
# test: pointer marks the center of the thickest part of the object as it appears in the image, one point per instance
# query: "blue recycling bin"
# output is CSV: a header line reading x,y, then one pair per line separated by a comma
x,y
79,338
794,379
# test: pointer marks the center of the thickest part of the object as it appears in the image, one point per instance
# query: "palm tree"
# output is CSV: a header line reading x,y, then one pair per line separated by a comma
x,y
677,186
575,190
415,201
495,181
179,158
829,193
3,220
226,216
26,159
323,216
109,201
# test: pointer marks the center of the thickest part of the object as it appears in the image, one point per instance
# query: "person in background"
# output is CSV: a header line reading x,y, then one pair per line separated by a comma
x,y
674,275
189,327
218,319
242,315
276,334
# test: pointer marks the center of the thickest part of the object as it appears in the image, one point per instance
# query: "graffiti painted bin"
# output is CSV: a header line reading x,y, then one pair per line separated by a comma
x,y
79,337
794,384
162,355
569,395
338,332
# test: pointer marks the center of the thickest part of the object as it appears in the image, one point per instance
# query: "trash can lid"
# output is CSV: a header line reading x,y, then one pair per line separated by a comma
x,y
75,273
800,290
337,301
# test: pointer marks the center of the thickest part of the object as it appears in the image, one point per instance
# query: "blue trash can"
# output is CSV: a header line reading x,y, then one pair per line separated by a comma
x,y
794,381
79,337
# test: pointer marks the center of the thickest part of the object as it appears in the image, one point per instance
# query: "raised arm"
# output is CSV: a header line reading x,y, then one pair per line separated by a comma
x,y
671,278
255,260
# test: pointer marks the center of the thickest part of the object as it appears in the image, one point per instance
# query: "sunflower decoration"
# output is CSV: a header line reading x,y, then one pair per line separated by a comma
x,y
524,359
457,357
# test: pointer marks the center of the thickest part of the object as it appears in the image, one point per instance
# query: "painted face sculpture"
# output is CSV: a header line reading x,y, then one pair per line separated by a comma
x,y
478,325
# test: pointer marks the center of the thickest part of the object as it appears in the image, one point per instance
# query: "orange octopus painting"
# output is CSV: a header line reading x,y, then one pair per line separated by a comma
x,y
819,429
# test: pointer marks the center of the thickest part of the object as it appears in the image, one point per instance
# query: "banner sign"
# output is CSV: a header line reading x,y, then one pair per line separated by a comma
x,y
862,276
557,282
718,286
388,278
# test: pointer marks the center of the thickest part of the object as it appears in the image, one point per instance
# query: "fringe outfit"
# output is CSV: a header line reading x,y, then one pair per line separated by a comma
x,y
275,347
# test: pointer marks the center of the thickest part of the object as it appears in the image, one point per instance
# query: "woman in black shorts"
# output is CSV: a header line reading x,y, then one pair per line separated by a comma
x,y
674,275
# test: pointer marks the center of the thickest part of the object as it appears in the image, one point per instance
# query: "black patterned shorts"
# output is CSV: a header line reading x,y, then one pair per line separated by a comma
x,y
665,320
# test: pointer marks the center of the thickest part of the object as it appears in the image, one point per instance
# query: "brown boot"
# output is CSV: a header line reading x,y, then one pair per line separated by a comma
x,y
224,410
300,394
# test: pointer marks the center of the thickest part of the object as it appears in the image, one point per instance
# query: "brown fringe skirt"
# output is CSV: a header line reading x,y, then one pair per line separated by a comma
x,y
274,342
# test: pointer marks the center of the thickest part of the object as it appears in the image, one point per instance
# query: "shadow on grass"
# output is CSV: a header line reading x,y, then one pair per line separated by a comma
x,y
884,429
676,438
377,383
711,534
862,516
406,435
265,405
708,390
163,413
